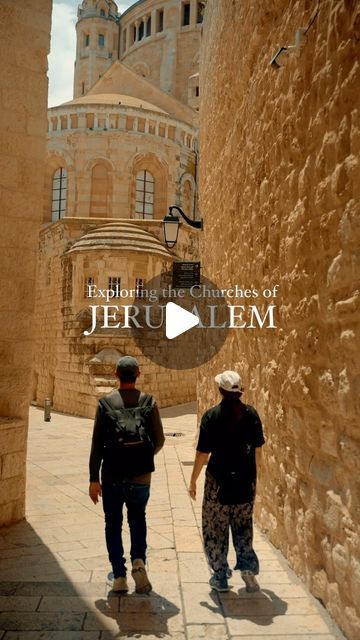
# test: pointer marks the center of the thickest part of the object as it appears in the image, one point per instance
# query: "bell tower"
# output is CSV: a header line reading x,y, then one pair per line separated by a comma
x,y
97,42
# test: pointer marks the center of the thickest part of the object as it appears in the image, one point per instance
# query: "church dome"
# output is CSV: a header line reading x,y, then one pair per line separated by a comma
x,y
121,236
114,99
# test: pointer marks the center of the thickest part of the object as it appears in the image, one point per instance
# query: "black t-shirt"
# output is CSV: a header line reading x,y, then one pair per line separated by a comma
x,y
231,431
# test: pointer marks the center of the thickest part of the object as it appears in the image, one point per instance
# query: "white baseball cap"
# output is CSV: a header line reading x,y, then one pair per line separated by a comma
x,y
229,380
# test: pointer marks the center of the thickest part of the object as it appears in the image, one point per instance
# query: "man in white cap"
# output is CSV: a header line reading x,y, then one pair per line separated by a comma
x,y
230,434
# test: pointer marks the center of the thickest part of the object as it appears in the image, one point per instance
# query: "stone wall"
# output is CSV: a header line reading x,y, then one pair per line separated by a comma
x,y
24,45
280,201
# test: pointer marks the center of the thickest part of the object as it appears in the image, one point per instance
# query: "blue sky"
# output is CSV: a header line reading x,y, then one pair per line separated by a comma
x,y
62,49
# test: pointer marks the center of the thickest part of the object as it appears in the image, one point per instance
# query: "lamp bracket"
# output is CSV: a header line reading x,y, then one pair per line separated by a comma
x,y
196,224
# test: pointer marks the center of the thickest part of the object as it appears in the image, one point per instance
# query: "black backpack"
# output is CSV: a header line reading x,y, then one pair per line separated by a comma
x,y
128,443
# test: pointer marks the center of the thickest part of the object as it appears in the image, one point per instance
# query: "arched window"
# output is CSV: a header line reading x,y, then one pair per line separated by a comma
x,y
58,200
100,191
144,199
148,188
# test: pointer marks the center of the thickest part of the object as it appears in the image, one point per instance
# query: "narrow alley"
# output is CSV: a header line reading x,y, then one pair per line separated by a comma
x,y
54,569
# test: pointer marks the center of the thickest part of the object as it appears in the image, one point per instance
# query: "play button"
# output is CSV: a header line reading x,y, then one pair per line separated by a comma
x,y
178,320
164,313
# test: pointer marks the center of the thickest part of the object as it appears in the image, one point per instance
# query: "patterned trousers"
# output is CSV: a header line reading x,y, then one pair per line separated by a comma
x,y
217,519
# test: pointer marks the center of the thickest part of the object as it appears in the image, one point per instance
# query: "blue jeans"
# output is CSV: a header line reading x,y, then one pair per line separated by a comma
x,y
135,496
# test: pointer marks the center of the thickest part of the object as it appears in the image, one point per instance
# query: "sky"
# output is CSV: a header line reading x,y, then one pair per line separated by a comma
x,y
63,48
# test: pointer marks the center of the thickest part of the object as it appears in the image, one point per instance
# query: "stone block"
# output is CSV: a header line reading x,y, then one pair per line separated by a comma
x,y
210,631
281,625
322,471
19,603
13,464
354,578
25,621
351,622
341,562
12,440
55,635
12,489
319,585
328,439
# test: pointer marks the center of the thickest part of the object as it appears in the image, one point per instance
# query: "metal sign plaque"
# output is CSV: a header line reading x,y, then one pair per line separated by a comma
x,y
185,275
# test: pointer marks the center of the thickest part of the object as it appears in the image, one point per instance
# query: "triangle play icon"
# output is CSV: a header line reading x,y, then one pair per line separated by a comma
x,y
178,320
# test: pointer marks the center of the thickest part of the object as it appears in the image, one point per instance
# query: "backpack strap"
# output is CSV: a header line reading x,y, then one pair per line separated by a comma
x,y
145,399
106,404
120,400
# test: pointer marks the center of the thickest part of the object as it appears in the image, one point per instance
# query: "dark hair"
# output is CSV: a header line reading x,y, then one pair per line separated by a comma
x,y
127,377
231,394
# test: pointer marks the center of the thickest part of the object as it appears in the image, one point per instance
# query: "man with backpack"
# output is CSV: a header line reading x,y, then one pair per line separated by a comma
x,y
127,434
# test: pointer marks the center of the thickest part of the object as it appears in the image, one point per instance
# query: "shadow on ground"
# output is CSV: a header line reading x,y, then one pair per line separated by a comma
x,y
136,614
38,600
260,607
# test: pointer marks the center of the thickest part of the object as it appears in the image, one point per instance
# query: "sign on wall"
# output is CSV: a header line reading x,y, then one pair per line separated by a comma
x,y
185,275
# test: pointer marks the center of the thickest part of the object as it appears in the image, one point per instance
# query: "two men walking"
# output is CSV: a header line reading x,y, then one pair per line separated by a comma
x,y
128,433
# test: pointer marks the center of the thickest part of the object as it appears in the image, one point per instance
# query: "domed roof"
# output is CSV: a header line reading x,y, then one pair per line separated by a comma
x,y
121,236
114,99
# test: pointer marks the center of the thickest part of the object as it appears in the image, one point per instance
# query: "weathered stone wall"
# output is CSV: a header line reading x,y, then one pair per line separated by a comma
x,y
24,45
280,199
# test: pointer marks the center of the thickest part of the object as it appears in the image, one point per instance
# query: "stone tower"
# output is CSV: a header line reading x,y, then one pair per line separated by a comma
x,y
160,40
97,40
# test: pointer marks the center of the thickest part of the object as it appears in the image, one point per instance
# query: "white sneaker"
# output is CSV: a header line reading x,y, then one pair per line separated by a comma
x,y
251,583
142,582
120,585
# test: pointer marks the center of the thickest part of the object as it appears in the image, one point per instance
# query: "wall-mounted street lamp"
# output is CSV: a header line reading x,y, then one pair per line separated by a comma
x,y
277,61
171,224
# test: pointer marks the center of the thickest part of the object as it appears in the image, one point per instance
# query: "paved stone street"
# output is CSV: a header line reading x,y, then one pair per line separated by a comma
x,y
54,566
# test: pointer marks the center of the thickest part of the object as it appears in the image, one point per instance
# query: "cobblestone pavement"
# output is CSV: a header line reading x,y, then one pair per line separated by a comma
x,y
54,566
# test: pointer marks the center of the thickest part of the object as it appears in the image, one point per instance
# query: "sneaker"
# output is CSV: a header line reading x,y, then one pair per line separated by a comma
x,y
120,585
142,582
251,583
219,584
